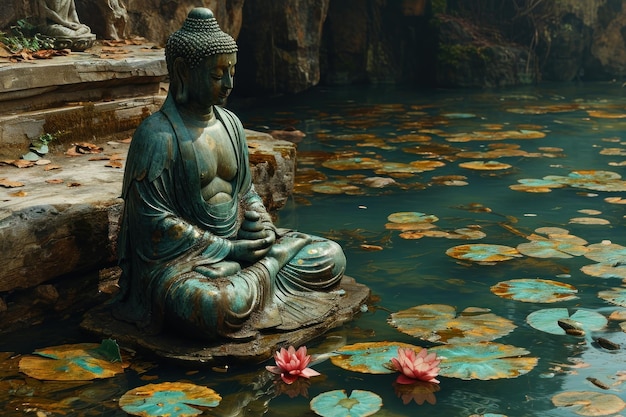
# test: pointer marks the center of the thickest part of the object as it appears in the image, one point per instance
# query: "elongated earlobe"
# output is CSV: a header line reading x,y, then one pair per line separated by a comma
x,y
180,80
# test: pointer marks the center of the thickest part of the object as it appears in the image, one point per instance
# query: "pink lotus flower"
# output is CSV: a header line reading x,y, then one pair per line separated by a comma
x,y
292,364
421,366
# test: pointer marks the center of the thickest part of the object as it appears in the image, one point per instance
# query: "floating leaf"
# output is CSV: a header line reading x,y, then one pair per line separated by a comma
x,y
589,403
355,163
439,323
589,220
411,217
172,399
605,270
550,249
77,362
606,252
536,185
483,360
484,165
615,296
531,290
337,404
547,319
557,245
369,357
480,252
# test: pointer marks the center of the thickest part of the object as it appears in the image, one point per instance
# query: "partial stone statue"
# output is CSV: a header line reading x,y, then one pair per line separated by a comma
x,y
59,20
115,18
198,251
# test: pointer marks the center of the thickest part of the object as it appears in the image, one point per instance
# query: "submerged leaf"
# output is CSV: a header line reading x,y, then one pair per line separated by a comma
x,y
589,403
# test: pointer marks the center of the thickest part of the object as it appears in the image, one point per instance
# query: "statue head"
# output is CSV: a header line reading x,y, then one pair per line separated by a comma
x,y
198,38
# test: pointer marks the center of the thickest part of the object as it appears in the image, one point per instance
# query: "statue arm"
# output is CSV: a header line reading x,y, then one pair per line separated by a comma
x,y
153,198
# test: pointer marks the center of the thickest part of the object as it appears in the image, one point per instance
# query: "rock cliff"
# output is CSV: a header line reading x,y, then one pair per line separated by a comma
x,y
287,46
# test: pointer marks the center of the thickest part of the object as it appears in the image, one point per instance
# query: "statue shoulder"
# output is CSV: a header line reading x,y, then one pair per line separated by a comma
x,y
229,118
152,149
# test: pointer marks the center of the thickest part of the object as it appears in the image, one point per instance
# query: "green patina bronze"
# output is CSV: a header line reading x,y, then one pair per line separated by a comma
x,y
198,250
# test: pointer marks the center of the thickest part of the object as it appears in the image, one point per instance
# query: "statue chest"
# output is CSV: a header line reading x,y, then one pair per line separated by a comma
x,y
217,162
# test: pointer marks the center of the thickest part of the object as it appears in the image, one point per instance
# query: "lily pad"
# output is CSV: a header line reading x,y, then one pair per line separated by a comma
x,y
484,165
589,403
605,270
439,323
607,252
561,245
411,217
76,362
369,357
172,399
615,296
535,290
547,319
336,403
483,361
481,252
354,163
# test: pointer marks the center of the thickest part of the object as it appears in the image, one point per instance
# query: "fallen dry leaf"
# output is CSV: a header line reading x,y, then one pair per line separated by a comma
x,y
51,167
19,194
10,184
22,163
73,184
114,164
55,181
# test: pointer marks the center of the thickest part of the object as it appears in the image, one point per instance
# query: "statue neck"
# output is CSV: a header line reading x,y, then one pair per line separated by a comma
x,y
193,117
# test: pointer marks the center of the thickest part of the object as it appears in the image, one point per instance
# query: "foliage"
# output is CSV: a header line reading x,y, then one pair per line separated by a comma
x,y
23,36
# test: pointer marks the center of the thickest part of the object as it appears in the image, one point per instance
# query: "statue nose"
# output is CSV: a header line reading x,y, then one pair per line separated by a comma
x,y
228,81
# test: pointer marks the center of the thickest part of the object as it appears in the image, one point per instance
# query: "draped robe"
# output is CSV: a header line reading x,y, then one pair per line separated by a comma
x,y
170,236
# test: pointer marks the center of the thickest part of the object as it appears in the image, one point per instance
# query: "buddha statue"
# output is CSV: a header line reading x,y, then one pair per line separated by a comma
x,y
198,251
59,20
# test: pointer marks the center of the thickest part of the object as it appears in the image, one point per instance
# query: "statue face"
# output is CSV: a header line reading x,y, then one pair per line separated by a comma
x,y
212,81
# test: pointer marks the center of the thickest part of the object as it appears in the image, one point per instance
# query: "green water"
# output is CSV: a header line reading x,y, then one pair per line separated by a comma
x,y
410,272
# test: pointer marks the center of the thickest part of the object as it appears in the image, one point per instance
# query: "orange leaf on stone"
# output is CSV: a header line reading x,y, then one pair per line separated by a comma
x,y
10,184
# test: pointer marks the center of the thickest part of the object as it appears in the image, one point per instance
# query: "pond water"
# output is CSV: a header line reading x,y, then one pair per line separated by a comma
x,y
347,188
